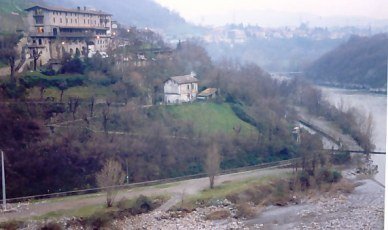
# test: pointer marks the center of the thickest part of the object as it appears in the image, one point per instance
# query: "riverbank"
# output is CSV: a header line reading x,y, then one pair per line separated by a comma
x,y
361,209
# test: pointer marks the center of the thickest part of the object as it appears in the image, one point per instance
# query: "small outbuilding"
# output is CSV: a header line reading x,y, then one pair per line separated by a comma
x,y
207,94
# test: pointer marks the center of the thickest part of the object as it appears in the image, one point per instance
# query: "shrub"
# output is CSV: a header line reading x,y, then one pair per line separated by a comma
x,y
74,65
340,158
143,204
48,72
218,215
123,204
328,176
240,113
99,220
12,225
304,180
245,210
52,226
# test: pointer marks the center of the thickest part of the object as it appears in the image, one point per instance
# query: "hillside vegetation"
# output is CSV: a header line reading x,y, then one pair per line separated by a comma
x,y
360,62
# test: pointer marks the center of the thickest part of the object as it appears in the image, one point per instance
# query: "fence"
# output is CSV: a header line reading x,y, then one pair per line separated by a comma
x,y
275,164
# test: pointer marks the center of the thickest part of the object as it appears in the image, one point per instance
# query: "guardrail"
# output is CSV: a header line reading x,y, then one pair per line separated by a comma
x,y
275,164
321,132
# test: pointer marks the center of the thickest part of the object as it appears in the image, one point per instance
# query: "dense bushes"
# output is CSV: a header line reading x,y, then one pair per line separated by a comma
x,y
340,158
73,65
328,176
39,80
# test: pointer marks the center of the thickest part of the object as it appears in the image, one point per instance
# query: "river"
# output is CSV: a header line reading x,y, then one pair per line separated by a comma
x,y
366,102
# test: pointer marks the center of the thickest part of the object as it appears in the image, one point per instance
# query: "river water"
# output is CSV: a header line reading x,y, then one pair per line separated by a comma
x,y
366,103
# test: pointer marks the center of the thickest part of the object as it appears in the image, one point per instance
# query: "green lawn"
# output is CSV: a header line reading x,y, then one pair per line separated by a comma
x,y
211,118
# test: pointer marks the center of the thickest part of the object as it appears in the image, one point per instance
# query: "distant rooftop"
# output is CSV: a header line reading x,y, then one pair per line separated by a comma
x,y
190,78
68,10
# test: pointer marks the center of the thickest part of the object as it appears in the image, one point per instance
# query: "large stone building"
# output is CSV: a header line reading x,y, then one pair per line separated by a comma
x,y
54,31
181,89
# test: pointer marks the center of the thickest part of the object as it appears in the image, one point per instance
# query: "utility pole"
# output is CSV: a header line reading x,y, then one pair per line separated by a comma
x,y
3,180
126,161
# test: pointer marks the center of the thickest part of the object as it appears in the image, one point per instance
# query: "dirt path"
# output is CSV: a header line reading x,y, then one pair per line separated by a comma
x,y
176,190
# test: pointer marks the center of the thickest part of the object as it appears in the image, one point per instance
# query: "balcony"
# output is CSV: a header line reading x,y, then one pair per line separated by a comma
x,y
32,46
45,34
76,34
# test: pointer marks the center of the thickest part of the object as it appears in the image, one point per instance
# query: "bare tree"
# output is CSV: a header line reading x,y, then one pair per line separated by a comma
x,y
92,101
35,56
8,52
111,175
367,134
105,119
73,103
212,163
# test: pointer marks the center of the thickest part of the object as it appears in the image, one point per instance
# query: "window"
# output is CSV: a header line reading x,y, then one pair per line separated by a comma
x,y
75,20
71,20
54,20
39,20
60,20
188,86
67,20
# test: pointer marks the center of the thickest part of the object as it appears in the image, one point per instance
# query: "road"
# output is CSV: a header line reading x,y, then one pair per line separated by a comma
x,y
330,129
176,190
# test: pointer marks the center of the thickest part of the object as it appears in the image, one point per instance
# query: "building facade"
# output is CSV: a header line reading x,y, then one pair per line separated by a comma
x,y
180,89
54,31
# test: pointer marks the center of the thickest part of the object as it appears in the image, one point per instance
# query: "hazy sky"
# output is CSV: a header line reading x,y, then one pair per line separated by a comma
x,y
210,11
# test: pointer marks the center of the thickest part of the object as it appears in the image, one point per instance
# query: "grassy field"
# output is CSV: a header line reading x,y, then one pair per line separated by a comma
x,y
211,118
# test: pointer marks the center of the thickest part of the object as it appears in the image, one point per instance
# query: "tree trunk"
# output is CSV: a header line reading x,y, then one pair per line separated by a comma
x,y
211,178
41,92
61,96
12,69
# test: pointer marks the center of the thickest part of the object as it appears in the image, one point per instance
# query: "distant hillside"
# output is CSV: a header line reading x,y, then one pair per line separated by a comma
x,y
12,12
362,61
144,13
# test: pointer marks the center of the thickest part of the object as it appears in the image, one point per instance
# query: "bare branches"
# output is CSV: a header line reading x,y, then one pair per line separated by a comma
x,y
111,175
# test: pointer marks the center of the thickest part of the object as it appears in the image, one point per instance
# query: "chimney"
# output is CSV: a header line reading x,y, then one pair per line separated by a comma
x,y
84,8
78,8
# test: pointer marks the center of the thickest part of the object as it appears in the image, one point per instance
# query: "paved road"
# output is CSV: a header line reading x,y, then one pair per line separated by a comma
x,y
176,190
330,129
